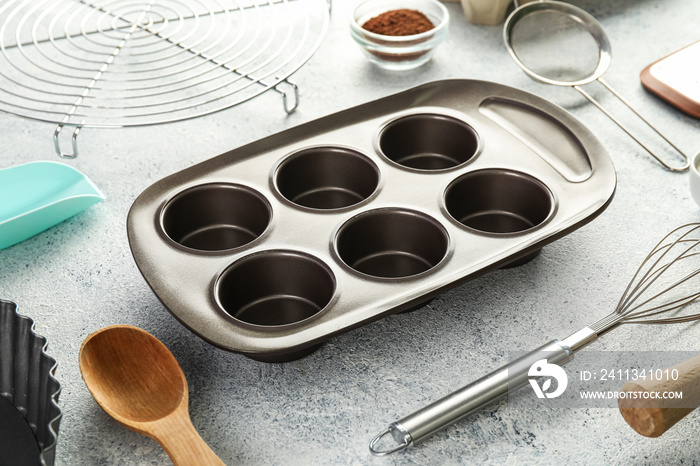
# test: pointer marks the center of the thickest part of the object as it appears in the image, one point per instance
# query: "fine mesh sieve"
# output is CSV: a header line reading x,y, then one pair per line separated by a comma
x,y
560,44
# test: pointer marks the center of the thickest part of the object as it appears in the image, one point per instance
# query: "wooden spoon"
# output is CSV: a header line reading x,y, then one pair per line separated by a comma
x,y
139,383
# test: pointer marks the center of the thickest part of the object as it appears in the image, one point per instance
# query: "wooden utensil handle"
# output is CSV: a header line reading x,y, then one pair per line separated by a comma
x,y
651,415
182,442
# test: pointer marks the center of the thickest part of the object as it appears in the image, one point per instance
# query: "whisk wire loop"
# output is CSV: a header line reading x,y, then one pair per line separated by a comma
x,y
664,256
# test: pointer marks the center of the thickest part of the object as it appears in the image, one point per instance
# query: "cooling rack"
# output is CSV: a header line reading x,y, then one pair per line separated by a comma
x,y
123,63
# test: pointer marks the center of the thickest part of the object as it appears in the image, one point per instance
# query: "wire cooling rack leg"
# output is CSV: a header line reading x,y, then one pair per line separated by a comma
x,y
285,96
74,142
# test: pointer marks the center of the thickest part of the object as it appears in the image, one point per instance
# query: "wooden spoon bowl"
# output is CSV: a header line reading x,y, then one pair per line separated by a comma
x,y
138,382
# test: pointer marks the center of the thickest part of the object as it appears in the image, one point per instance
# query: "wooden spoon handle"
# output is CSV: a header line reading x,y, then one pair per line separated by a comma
x,y
652,417
181,441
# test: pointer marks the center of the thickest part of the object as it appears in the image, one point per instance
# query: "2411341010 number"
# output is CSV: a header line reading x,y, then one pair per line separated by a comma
x,y
638,374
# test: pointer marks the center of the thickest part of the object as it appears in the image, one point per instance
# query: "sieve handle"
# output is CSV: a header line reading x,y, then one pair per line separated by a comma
x,y
590,98
459,404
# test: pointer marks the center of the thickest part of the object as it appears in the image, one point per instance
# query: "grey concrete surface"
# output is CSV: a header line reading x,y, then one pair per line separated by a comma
x,y
79,276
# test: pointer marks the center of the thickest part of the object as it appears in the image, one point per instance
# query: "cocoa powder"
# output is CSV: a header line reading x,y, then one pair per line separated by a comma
x,y
402,22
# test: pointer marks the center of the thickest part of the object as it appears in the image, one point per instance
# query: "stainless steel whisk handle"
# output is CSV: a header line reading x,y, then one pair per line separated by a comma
x,y
469,399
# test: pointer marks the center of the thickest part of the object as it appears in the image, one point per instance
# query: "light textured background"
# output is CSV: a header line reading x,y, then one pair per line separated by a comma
x,y
79,276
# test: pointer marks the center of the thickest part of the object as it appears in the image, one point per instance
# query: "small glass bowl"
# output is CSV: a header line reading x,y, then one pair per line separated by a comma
x,y
694,179
399,52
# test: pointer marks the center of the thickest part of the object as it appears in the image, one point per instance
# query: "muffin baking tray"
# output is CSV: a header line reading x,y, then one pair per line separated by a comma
x,y
272,248
29,413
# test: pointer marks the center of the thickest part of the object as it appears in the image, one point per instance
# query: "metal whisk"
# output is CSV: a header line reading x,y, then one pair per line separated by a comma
x,y
663,285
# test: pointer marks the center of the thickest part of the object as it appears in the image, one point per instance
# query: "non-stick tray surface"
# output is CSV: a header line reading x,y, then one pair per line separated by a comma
x,y
29,412
274,247
18,445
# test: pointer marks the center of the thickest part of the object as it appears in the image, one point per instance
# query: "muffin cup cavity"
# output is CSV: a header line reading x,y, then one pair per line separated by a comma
x,y
327,178
216,217
499,201
428,142
392,243
274,288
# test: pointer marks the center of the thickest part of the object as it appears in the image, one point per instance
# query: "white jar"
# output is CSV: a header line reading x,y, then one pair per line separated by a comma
x,y
486,12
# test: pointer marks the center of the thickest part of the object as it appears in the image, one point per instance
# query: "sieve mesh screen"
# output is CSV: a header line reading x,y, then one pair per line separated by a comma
x,y
555,46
